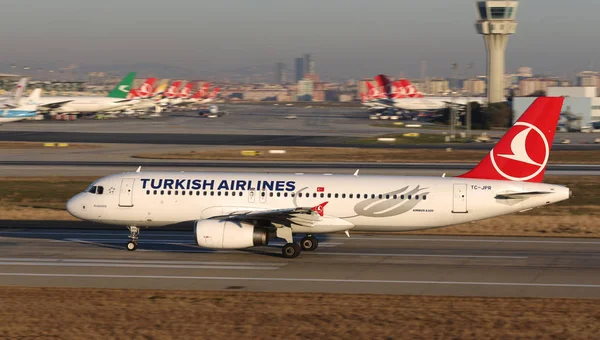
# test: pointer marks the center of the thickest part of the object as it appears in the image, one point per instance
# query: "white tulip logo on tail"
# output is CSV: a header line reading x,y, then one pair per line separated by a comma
x,y
523,147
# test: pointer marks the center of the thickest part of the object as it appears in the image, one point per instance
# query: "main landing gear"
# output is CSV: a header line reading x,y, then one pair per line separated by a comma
x,y
134,232
309,243
292,249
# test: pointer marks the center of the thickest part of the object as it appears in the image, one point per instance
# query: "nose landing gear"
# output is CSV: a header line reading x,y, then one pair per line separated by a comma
x,y
134,232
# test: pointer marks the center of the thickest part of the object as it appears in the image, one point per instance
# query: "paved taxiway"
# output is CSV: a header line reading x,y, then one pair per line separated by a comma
x,y
391,264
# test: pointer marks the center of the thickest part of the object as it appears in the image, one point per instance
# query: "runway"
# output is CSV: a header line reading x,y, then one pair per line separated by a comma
x,y
364,263
239,139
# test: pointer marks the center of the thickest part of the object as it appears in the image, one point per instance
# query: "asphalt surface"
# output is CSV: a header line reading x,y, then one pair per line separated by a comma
x,y
237,139
390,264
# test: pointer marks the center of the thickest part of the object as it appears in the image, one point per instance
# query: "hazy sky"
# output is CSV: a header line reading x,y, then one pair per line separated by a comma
x,y
354,38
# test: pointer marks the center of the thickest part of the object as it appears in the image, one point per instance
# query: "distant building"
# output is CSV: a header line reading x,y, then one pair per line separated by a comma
x,y
474,86
587,78
280,69
308,62
305,90
299,69
438,86
529,86
581,106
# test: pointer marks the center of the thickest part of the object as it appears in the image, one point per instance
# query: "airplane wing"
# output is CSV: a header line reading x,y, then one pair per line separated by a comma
x,y
302,216
54,105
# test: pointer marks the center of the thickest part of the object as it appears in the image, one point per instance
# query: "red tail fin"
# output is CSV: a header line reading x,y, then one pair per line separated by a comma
x,y
214,93
147,87
187,90
411,90
173,90
522,153
398,91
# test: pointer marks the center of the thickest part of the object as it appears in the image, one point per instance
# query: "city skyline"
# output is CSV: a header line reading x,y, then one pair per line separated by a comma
x,y
348,39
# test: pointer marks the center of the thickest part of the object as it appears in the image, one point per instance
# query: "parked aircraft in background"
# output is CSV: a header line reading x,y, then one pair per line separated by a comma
x,y
27,110
241,210
115,100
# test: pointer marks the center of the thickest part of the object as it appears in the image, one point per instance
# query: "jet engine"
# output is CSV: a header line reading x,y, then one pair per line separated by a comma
x,y
216,234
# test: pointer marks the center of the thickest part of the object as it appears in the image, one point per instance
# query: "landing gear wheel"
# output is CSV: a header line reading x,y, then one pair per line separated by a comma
x,y
309,243
131,246
290,250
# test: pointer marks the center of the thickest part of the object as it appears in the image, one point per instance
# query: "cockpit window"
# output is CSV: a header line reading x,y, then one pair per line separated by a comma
x,y
93,189
100,190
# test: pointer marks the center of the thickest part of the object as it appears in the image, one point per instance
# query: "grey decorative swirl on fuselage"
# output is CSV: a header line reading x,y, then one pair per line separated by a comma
x,y
386,207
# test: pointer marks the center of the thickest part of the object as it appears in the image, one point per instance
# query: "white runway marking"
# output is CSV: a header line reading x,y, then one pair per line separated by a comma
x,y
18,259
133,265
275,279
424,255
466,239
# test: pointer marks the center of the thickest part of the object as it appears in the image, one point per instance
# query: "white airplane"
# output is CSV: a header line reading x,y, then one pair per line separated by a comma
x,y
240,210
16,95
28,110
75,105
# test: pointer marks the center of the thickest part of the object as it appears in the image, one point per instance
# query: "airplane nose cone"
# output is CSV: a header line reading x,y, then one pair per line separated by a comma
x,y
75,206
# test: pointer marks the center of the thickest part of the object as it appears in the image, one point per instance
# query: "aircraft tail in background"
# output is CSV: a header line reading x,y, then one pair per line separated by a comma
x,y
186,92
173,90
522,154
122,89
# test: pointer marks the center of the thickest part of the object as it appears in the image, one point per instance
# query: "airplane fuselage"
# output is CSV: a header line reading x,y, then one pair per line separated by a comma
x,y
360,203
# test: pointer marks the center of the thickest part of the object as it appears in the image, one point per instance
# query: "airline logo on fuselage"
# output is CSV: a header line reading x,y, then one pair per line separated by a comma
x,y
211,184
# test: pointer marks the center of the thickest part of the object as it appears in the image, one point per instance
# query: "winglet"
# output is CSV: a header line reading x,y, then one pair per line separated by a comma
x,y
139,169
319,209
356,173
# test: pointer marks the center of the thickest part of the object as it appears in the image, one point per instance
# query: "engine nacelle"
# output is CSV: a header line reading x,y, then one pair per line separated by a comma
x,y
216,234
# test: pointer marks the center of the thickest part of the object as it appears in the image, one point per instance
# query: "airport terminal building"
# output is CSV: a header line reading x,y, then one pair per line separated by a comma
x,y
581,106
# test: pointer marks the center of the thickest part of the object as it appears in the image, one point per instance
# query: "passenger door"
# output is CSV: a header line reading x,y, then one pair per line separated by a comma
x,y
459,201
126,193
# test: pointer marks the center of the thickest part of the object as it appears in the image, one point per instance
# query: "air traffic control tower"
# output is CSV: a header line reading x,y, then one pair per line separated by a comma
x,y
496,22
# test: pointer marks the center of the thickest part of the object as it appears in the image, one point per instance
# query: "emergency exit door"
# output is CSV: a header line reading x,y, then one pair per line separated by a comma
x,y
459,202
126,193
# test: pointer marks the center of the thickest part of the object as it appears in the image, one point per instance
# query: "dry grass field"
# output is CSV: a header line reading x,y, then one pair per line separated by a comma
x,y
53,313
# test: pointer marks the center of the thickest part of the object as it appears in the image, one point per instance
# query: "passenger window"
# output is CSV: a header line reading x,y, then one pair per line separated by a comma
x,y
155,192
351,196
182,193
315,195
197,193
278,194
233,193
401,197
262,194
147,192
380,196
424,197
293,195
329,195
387,197
285,194
271,194
205,193
162,192
409,197
336,195
299,194
322,195
343,195
191,193
416,197
241,193
395,197
226,193
212,193
218,193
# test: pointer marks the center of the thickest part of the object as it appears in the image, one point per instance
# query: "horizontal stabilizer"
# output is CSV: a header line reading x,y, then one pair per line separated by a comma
x,y
521,195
